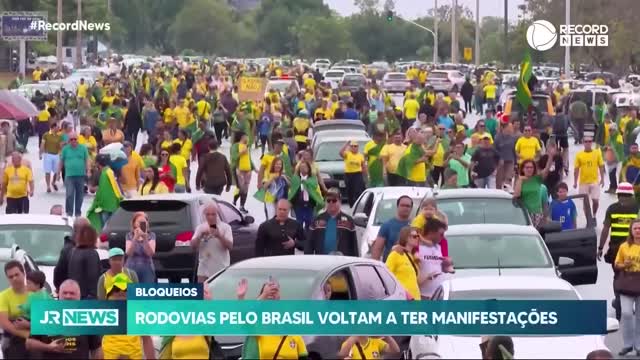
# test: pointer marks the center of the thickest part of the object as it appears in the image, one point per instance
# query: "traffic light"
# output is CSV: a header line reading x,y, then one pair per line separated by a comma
x,y
389,15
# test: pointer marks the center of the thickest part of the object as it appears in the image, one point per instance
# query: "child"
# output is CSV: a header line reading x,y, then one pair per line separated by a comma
x,y
563,209
450,179
35,285
365,347
429,210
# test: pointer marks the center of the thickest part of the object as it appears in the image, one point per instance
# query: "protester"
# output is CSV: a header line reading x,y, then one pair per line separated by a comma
x,y
179,166
390,230
17,186
108,195
332,230
587,166
402,261
151,183
305,195
213,240
140,248
366,347
355,171
116,266
209,176
14,326
280,235
433,260
498,348
627,262
131,172
484,164
50,155
75,162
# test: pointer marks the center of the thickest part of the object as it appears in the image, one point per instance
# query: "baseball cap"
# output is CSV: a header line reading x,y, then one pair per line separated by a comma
x,y
486,137
115,252
625,188
333,193
353,143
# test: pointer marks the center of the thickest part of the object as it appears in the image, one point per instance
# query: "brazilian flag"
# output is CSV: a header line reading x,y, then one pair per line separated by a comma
x,y
408,160
376,178
523,93
107,198
310,184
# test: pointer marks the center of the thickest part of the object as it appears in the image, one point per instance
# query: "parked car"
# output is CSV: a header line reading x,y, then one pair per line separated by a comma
x,y
543,110
338,127
173,218
42,237
353,82
497,207
327,157
281,85
377,205
395,82
333,77
302,277
14,252
525,288
445,80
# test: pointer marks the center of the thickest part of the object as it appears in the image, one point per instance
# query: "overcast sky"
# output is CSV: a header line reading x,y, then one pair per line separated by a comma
x,y
417,8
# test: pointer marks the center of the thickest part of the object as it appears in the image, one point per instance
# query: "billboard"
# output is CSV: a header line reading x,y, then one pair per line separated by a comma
x,y
21,25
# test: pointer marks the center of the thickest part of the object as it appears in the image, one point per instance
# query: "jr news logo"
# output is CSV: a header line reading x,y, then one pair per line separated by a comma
x,y
542,35
81,317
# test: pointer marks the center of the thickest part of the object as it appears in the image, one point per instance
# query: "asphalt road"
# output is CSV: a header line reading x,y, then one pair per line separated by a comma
x,y
602,290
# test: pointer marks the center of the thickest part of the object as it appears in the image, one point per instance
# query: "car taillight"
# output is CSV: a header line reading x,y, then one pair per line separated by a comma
x,y
104,237
184,238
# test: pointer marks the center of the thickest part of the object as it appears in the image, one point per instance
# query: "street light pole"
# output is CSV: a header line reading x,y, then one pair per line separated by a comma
x,y
477,57
59,38
506,32
435,33
567,49
79,38
435,37
454,32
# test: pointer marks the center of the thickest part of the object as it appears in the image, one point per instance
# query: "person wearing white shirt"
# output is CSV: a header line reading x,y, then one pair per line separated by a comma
x,y
213,240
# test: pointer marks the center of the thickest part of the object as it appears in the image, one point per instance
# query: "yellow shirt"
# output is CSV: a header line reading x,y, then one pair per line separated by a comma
x,y
185,148
490,91
174,84
373,349
400,266
244,160
353,162
180,164
183,116
168,115
292,348
393,153
166,144
16,181
310,83
10,302
203,109
130,175
89,142
44,115
82,91
476,136
630,252
122,346
438,157
527,148
36,74
411,108
588,163
418,172
161,188
189,347
108,100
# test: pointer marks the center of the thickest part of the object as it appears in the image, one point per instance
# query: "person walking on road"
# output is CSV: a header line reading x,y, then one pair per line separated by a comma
x,y
617,219
213,239
75,161
587,166
467,94
209,176
279,235
332,230
17,186
628,264
390,230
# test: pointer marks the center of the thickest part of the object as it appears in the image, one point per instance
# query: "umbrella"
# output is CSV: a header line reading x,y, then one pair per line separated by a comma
x,y
10,112
19,103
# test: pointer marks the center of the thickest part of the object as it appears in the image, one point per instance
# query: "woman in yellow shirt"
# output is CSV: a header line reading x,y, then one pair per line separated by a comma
x,y
112,134
186,146
367,347
152,184
628,263
124,346
355,169
168,115
403,264
180,165
85,138
167,141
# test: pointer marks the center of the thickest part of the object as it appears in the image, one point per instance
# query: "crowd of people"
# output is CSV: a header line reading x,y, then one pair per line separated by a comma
x,y
88,142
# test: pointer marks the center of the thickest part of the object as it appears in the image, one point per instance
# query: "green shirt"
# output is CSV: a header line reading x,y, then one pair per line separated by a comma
x,y
531,194
74,160
461,170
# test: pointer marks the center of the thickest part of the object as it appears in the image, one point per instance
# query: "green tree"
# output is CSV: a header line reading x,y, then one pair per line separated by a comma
x,y
324,37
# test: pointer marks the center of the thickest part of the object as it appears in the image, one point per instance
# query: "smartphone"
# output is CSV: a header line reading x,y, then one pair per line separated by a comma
x,y
143,226
214,226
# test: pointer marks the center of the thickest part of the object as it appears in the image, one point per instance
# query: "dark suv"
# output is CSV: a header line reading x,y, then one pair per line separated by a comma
x,y
173,218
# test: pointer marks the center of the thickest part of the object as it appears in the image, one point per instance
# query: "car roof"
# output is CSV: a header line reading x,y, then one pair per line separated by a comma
x,y
338,138
326,124
395,73
173,196
511,282
491,229
34,219
394,192
302,262
472,193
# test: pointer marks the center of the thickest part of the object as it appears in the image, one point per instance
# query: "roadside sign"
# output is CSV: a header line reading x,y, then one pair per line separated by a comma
x,y
468,54
251,88
21,25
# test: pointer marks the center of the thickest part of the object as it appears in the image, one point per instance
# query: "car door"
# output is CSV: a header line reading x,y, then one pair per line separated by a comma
x,y
244,237
579,245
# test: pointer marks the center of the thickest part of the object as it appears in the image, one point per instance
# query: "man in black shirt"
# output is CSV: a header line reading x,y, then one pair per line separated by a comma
x,y
65,347
280,235
484,163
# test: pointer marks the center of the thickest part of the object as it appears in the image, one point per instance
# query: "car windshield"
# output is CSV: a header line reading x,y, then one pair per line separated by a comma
x,y
294,285
519,294
438,75
41,242
280,86
483,211
334,74
353,80
489,251
387,210
539,102
330,151
396,77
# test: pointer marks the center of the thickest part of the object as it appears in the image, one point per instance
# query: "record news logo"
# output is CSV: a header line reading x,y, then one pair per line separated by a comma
x,y
542,35
81,317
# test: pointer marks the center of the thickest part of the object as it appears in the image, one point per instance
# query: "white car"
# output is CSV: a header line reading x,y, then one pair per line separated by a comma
x,y
346,69
42,237
377,205
508,288
281,85
333,77
446,80
395,82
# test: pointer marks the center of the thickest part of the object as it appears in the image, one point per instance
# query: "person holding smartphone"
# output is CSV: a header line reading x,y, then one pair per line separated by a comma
x,y
140,248
213,240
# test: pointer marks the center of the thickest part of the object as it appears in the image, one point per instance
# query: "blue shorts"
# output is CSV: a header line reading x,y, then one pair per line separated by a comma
x,y
51,162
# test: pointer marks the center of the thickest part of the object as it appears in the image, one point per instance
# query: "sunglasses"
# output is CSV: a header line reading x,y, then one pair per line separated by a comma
x,y
331,201
164,154
415,236
73,139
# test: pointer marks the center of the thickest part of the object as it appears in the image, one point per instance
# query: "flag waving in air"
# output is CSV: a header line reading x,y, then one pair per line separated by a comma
x,y
523,93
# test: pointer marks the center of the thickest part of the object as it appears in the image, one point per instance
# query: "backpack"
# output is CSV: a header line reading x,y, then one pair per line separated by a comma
x,y
560,125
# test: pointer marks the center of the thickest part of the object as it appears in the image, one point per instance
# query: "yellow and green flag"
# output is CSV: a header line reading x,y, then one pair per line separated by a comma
x,y
523,93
